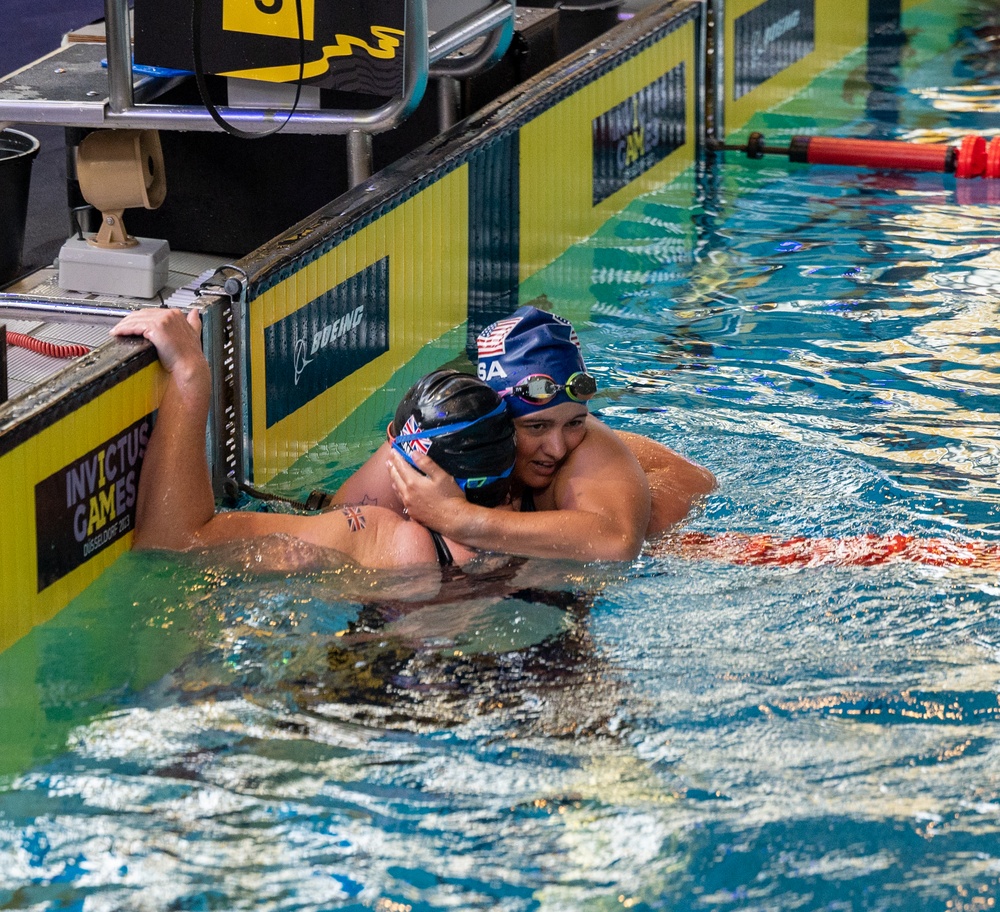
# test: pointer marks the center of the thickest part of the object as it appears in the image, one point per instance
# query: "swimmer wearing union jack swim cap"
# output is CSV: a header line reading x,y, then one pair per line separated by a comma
x,y
450,415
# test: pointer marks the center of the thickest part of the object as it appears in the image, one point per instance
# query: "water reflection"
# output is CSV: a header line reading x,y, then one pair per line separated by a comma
x,y
327,741
858,321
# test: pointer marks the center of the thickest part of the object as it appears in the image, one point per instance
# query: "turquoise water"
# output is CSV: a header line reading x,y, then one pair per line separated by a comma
x,y
676,734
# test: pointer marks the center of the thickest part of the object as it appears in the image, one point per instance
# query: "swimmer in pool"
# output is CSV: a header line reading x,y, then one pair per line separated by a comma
x,y
459,421
583,490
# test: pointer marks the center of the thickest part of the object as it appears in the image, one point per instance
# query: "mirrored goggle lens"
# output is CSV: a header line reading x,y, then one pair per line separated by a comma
x,y
540,388
536,389
581,387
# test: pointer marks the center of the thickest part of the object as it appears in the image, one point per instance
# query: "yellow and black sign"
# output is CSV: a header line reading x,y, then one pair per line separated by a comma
x,y
89,504
72,485
350,46
324,338
587,157
774,48
639,132
278,18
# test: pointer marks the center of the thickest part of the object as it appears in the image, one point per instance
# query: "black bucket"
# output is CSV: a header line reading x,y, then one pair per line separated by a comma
x,y
17,152
581,21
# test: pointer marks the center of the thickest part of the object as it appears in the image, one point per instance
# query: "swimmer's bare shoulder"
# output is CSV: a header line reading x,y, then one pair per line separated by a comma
x,y
601,475
675,482
370,484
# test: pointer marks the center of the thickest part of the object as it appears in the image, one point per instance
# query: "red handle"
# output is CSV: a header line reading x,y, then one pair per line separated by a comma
x,y
52,349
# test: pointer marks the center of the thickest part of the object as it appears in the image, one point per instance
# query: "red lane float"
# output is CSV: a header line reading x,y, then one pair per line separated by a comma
x,y
871,153
993,157
971,157
855,551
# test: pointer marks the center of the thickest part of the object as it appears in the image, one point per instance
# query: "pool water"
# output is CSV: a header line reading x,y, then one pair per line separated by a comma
x,y
681,733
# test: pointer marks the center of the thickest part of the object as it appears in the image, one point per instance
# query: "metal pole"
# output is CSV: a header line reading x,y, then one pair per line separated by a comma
x,y
448,103
119,39
499,17
359,157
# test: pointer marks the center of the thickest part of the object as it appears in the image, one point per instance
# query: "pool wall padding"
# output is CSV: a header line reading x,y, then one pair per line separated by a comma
x,y
69,473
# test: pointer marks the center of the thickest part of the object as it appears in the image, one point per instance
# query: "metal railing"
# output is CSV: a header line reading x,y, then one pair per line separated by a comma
x,y
424,55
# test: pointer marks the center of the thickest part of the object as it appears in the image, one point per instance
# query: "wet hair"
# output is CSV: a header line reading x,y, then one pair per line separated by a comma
x,y
464,427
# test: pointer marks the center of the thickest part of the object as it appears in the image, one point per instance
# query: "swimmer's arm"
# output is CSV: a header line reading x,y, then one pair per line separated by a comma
x,y
598,518
370,484
175,509
675,483
175,488
371,536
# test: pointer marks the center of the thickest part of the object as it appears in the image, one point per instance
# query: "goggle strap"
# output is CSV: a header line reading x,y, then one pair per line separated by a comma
x,y
447,428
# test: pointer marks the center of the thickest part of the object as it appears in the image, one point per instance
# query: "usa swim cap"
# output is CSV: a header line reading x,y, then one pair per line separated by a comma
x,y
529,341
462,425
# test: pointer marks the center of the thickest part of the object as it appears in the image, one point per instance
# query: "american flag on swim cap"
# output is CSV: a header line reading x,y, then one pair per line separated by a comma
x,y
573,337
529,341
492,340
412,426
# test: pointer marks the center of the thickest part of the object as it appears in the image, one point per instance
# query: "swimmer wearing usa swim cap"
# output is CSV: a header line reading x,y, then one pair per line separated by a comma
x,y
582,488
595,493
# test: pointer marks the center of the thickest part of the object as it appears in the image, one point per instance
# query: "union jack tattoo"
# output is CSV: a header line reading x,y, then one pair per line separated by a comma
x,y
355,518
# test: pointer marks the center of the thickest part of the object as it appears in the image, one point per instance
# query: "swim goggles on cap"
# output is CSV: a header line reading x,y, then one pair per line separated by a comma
x,y
541,388
400,441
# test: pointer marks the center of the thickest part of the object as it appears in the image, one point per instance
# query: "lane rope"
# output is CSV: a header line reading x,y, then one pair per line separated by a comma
x,y
766,550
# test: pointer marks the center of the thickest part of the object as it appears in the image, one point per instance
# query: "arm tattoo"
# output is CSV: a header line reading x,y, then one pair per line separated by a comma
x,y
355,518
